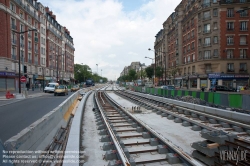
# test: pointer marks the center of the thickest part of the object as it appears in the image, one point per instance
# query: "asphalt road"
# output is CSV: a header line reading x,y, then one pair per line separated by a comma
x,y
17,116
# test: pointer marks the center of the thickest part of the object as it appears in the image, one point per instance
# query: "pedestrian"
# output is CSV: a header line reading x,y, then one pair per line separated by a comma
x,y
33,87
202,88
39,85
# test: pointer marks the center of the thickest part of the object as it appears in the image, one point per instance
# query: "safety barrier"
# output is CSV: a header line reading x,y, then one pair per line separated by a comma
x,y
224,99
73,143
40,134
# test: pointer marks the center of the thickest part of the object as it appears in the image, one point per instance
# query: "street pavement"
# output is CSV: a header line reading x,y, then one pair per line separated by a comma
x,y
31,94
16,116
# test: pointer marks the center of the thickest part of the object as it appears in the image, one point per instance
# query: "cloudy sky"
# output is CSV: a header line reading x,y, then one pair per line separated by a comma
x,y
112,33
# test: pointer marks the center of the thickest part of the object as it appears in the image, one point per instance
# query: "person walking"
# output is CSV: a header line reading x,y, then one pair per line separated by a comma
x,y
39,85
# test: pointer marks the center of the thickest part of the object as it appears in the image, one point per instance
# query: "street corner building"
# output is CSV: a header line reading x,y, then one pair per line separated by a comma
x,y
204,43
32,38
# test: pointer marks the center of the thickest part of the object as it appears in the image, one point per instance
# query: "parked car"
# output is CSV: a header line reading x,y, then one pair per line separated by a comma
x,y
168,87
61,90
50,87
75,88
215,88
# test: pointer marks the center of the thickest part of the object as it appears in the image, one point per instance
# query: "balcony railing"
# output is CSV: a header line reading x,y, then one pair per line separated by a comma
x,y
229,15
230,56
242,70
243,29
30,48
206,44
243,14
207,31
36,51
208,71
207,57
36,62
243,56
13,56
206,5
233,1
230,70
243,43
207,18
30,61
230,43
29,35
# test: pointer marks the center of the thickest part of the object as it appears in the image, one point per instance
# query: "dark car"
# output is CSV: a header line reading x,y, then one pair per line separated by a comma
x,y
169,87
215,88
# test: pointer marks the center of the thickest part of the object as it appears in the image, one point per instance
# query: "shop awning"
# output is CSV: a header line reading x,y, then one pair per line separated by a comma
x,y
40,78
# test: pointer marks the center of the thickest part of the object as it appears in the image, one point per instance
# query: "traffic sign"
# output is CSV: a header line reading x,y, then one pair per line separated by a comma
x,y
23,79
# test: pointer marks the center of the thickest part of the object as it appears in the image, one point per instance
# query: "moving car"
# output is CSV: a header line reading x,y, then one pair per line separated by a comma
x,y
50,87
61,89
90,82
168,87
75,88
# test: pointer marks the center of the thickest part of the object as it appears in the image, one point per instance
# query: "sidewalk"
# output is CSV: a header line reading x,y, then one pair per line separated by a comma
x,y
31,94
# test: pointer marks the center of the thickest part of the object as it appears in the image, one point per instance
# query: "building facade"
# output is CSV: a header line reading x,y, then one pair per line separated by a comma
x,y
206,43
30,31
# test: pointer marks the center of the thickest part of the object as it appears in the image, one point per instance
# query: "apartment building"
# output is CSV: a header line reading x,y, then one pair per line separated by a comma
x,y
30,31
206,43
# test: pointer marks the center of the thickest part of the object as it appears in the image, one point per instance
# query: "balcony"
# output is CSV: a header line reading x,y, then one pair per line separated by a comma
x,y
230,29
206,44
36,39
243,56
206,18
230,43
230,15
243,43
13,26
13,56
242,70
206,5
233,1
230,70
206,31
243,29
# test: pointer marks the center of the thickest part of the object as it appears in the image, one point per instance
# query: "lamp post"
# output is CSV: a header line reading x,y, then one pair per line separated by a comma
x,y
97,72
154,65
19,68
164,53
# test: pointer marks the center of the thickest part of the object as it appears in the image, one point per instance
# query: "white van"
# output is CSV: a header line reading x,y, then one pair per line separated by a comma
x,y
149,84
50,87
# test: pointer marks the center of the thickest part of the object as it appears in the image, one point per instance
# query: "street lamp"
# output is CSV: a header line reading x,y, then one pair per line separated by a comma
x,y
19,68
164,53
152,62
97,72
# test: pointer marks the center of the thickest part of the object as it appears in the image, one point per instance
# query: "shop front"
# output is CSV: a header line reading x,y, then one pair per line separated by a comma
x,y
229,80
7,81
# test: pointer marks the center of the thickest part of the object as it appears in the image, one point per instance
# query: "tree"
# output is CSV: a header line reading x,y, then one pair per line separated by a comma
x,y
150,72
174,71
159,71
132,75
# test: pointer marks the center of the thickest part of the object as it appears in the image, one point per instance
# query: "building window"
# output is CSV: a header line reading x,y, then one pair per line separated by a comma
x,y
22,27
29,19
243,67
214,1
215,39
207,41
185,60
12,7
199,42
192,33
243,25
243,40
215,25
21,14
206,15
215,12
216,53
244,13
243,53
230,67
230,54
192,46
199,29
230,40
207,54
230,12
230,26
206,28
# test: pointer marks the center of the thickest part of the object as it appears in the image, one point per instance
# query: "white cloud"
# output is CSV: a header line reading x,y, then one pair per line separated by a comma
x,y
106,35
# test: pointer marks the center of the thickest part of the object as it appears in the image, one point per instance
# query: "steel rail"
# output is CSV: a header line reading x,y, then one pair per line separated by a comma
x,y
208,115
119,149
182,154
